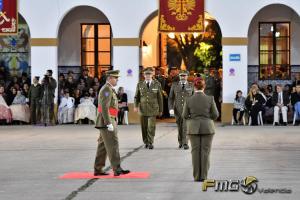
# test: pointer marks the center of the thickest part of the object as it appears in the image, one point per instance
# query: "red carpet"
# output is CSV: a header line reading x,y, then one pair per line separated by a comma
x,y
90,175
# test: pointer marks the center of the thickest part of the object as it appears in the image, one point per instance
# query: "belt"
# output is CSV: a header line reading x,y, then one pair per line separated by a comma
x,y
112,111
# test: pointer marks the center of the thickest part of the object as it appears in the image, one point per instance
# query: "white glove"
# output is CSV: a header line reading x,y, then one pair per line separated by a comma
x,y
171,112
110,127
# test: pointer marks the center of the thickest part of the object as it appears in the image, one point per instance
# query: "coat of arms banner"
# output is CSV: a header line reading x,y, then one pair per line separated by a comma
x,y
181,16
8,17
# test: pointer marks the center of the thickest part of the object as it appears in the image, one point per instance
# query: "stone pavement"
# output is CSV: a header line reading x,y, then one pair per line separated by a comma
x,y
32,159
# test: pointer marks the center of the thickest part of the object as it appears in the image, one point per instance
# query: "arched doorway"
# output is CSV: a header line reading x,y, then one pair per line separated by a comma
x,y
169,53
15,52
193,52
84,42
273,47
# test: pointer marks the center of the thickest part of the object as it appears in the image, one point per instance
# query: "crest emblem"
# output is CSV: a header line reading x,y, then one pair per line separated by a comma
x,y
181,8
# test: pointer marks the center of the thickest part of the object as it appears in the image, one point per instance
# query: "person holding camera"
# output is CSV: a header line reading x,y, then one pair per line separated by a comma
x,y
49,85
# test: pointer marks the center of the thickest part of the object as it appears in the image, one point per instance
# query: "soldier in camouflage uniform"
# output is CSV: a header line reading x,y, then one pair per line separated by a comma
x,y
178,94
148,101
108,143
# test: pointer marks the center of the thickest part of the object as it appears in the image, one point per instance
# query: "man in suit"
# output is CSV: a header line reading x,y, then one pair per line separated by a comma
x,y
200,110
280,100
178,94
108,143
148,101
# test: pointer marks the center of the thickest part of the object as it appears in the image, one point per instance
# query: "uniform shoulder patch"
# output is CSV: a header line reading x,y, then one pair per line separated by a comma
x,y
106,94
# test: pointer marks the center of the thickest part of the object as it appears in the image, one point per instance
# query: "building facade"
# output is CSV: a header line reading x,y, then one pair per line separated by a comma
x,y
55,37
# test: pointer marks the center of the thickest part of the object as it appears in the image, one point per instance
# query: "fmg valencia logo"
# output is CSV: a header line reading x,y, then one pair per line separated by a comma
x,y
249,186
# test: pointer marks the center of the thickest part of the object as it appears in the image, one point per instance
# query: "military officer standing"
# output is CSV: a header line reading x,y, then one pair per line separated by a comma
x,y
108,143
148,101
35,95
178,94
200,111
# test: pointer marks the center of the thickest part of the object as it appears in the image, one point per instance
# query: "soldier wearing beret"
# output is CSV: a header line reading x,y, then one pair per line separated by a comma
x,y
148,101
200,111
178,94
108,143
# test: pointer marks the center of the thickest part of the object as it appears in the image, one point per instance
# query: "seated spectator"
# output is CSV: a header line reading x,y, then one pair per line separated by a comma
x,y
66,109
5,112
86,109
122,97
26,91
77,97
70,84
82,86
238,106
254,104
19,108
24,79
61,85
14,83
11,95
297,80
93,95
295,100
268,107
86,78
280,102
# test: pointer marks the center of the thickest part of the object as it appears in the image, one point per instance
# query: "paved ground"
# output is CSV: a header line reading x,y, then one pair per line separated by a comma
x,y
32,159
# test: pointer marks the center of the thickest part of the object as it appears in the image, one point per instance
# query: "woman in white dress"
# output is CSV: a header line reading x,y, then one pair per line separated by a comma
x,y
66,109
86,109
19,108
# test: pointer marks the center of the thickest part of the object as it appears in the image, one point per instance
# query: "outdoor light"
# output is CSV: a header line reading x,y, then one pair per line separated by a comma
x,y
145,48
206,23
171,35
195,35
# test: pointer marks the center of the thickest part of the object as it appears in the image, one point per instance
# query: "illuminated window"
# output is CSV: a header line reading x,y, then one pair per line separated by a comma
x,y
96,48
274,51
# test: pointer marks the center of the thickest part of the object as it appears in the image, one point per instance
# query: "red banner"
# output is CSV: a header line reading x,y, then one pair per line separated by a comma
x,y
8,17
181,16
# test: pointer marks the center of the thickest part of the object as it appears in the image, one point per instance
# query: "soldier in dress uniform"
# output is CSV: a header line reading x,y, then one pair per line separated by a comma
x,y
178,94
200,111
108,143
148,101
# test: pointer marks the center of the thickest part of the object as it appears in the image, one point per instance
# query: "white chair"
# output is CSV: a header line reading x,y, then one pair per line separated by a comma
x,y
259,119
244,121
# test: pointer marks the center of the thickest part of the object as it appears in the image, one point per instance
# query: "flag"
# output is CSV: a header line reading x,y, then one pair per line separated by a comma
x,y
8,17
181,16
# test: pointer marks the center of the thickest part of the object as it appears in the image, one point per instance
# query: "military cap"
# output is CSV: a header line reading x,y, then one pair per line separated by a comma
x,y
183,72
113,73
37,77
148,70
